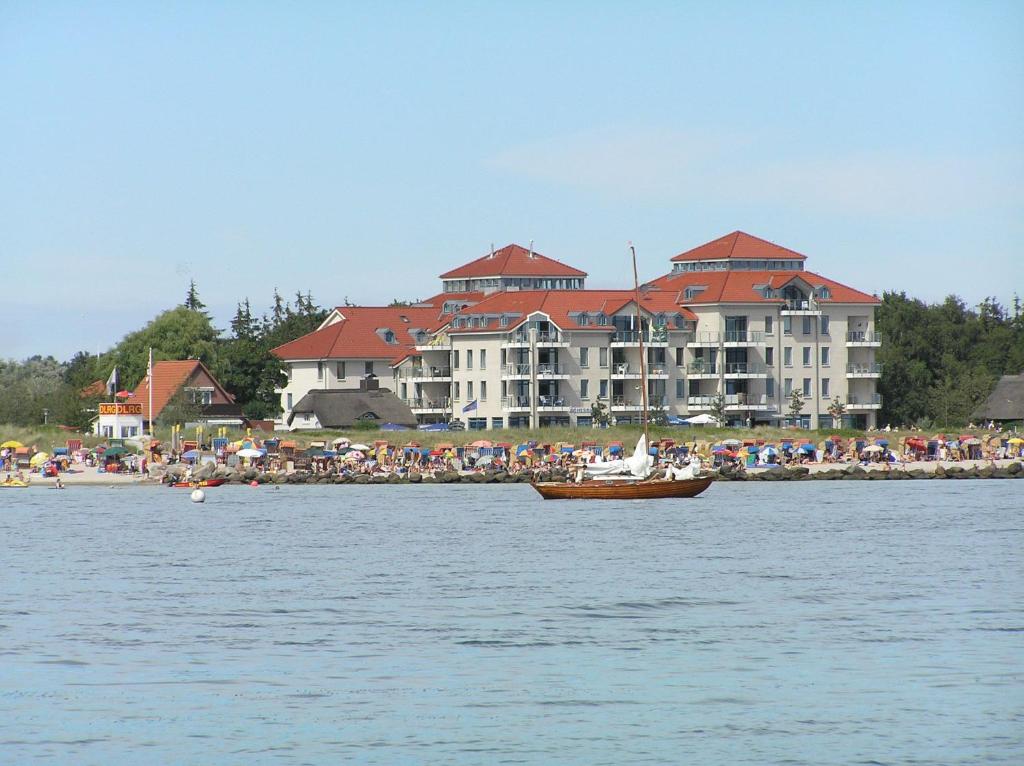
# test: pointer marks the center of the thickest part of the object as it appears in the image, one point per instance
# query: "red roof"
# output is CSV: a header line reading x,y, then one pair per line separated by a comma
x,y
169,377
562,307
739,245
744,286
513,261
360,333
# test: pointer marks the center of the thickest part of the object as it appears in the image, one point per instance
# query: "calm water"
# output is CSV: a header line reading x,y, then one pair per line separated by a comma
x,y
811,623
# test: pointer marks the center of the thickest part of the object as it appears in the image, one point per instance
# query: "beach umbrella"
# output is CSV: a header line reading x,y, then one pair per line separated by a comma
x,y
1016,440
703,420
481,443
39,458
731,442
115,451
341,441
250,452
873,448
355,455
359,447
807,448
192,454
11,444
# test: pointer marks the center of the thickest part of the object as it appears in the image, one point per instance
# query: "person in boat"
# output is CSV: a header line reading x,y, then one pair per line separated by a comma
x,y
59,484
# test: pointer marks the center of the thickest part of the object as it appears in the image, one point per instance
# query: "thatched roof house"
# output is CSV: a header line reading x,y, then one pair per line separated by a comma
x,y
1005,403
343,408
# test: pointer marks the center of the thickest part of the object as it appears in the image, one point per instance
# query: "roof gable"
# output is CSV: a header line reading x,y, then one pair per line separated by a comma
x,y
171,376
739,245
513,261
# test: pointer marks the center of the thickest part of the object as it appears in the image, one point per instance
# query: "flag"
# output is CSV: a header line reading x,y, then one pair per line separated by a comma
x,y
470,407
112,382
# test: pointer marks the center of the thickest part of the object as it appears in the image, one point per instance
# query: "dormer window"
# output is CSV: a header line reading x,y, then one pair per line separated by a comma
x,y
824,292
389,337
602,319
582,320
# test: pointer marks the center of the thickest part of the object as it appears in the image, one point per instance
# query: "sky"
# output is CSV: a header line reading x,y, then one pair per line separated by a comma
x,y
358,150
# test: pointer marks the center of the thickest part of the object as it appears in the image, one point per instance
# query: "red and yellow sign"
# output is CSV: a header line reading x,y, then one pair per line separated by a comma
x,y
120,409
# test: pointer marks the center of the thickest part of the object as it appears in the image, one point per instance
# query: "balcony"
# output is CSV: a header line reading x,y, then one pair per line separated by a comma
x,y
516,403
699,403
808,307
427,374
624,371
552,371
552,404
516,371
544,372
747,403
430,406
658,337
704,338
862,339
544,339
437,344
739,370
854,370
702,370
869,402
742,338
631,404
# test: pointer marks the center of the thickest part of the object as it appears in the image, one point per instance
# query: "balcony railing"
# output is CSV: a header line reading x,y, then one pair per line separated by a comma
x,y
625,370
551,402
516,402
549,370
429,404
801,305
702,368
863,369
543,338
745,368
705,338
700,402
516,370
743,336
654,336
746,400
427,372
863,336
873,400
654,402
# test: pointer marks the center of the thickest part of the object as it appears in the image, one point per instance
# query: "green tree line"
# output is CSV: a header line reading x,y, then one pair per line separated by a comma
x,y
239,358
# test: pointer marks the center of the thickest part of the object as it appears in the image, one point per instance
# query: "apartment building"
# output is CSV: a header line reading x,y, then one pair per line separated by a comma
x,y
515,339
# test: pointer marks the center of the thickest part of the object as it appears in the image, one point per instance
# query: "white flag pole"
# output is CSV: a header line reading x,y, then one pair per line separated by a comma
x,y
152,431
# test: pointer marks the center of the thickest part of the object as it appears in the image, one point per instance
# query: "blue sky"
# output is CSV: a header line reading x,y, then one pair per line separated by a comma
x,y
361,149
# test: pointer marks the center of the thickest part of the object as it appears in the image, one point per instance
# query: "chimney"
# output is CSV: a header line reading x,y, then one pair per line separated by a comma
x,y
492,250
531,250
369,383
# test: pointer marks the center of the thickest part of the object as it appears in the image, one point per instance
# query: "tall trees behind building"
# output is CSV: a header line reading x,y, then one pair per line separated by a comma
x,y
942,360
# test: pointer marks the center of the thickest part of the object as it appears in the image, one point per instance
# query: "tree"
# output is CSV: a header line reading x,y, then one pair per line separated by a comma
x,y
599,414
179,333
796,404
717,408
836,409
192,302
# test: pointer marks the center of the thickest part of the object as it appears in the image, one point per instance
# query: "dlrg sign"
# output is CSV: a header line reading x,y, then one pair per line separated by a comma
x,y
120,409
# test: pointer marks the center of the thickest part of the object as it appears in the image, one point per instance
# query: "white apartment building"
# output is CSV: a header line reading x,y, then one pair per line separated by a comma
x,y
738,318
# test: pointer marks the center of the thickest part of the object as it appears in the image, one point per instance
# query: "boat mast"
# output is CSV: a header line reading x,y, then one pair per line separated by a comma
x,y
643,359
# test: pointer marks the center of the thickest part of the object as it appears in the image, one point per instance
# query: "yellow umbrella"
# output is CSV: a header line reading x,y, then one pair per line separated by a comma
x,y
1016,440
10,443
39,458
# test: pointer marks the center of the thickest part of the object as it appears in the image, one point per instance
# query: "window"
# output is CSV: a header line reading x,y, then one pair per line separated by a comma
x,y
319,370
602,389
806,356
483,359
807,325
497,422
680,388
455,360
469,363
584,389
469,390
824,356
787,325
787,386
603,357
787,356
824,325
339,370
769,324
584,421
680,358
368,368
769,387
584,357
289,401
807,387
389,337
478,424
458,392
824,388
483,390
405,391
769,356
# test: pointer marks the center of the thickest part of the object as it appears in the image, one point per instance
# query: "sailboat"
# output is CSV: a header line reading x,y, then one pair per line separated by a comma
x,y
629,478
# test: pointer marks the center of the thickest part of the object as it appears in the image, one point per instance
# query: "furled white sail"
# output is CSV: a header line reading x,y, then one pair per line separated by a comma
x,y
638,465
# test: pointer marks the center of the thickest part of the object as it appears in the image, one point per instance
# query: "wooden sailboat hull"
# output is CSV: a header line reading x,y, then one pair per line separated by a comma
x,y
622,490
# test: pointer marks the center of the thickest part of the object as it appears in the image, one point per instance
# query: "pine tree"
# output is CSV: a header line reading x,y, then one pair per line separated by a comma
x,y
279,309
796,404
192,302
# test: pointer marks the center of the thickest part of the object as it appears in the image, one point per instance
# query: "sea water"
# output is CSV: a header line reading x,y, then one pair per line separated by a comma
x,y
797,623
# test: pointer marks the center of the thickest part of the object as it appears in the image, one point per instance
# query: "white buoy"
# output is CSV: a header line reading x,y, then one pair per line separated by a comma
x,y
198,496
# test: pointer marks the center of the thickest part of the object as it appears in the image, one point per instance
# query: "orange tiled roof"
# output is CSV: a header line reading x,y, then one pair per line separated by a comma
x,y
562,306
742,286
359,334
739,245
513,261
169,377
